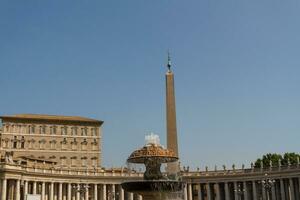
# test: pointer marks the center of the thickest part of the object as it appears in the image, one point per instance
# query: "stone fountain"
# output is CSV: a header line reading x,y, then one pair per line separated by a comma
x,y
156,185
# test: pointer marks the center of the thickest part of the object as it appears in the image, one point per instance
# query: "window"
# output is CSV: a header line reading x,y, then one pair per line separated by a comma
x,y
53,130
15,142
5,143
94,161
84,131
64,130
31,143
42,144
63,160
22,142
42,129
7,128
19,128
74,144
93,131
84,161
73,160
74,130
31,129
94,144
83,144
52,144
64,144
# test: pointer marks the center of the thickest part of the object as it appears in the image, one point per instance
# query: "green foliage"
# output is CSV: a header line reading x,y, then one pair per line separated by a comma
x,y
274,158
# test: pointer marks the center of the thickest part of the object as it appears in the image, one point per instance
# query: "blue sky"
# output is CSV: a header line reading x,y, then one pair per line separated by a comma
x,y
236,66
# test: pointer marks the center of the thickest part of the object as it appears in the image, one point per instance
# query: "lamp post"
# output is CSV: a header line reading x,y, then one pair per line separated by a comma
x,y
268,183
239,191
80,188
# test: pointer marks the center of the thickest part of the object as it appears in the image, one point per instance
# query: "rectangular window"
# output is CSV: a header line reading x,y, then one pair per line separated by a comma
x,y
42,129
84,131
94,131
15,142
73,161
74,130
32,130
64,130
84,162
53,130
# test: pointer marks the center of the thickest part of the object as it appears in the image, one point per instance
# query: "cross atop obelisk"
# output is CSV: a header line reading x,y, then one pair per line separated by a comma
x,y
171,117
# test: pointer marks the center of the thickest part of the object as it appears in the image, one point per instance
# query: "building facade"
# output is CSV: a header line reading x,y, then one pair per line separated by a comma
x,y
66,141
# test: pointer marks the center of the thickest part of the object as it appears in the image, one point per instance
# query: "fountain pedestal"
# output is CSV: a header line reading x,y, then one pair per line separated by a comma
x,y
155,185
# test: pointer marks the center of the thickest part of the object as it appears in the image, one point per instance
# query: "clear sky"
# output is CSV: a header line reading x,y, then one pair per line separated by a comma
x,y
236,65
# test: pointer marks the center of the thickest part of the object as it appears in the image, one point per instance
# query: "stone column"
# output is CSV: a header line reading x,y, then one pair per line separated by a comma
x,y
273,191
51,191
43,191
245,191
185,194
113,190
130,196
4,187
299,186
60,191
25,188
104,192
121,193
254,190
218,194
227,195
95,192
78,192
199,192
34,187
236,196
190,193
70,191
18,191
140,197
86,192
208,191
282,191
264,196
292,189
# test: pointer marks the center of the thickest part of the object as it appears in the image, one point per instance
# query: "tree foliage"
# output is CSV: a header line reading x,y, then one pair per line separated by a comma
x,y
274,158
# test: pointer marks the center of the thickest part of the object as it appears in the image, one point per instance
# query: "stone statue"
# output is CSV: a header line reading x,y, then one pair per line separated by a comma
x,y
224,167
279,162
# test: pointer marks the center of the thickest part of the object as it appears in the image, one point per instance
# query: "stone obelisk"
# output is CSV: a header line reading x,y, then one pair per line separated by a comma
x,y
172,168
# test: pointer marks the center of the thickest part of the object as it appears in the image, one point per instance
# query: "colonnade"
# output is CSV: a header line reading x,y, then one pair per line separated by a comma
x,y
276,189
16,189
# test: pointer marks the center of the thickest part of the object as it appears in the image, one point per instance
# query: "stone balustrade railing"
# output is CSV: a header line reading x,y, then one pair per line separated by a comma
x,y
226,172
70,171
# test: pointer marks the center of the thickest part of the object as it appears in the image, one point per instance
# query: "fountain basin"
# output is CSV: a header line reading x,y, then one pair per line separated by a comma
x,y
153,186
156,189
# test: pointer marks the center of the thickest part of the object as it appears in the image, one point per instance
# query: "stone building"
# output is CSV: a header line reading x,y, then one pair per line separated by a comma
x,y
72,142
